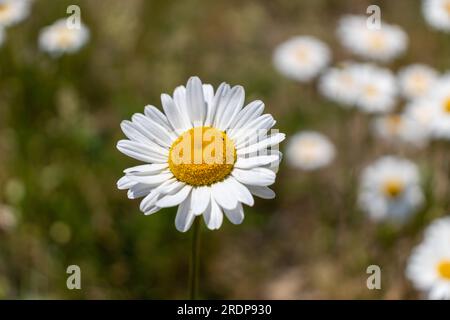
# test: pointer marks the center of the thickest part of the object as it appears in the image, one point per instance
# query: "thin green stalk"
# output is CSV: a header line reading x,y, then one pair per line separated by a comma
x,y
195,260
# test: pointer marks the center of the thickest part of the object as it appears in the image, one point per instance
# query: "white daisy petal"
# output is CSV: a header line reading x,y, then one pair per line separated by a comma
x,y
241,192
200,199
153,130
219,99
154,114
139,151
195,101
151,210
223,194
262,192
236,215
152,180
253,162
264,144
149,201
252,129
213,215
251,112
208,93
147,169
173,114
230,110
184,217
125,183
175,199
138,190
255,176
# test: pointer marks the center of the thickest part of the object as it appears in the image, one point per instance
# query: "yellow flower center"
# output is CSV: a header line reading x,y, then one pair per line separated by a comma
x,y
302,54
371,91
65,37
444,269
393,188
447,7
377,41
3,8
419,82
202,156
447,105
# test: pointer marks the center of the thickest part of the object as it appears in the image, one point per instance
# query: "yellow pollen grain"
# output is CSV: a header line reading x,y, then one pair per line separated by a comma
x,y
202,156
393,188
444,269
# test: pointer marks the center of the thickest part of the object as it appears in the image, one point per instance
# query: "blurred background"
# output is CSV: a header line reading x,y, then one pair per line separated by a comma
x,y
59,125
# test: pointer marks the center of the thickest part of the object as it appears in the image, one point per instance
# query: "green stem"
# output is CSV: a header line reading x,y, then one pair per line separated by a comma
x,y
195,259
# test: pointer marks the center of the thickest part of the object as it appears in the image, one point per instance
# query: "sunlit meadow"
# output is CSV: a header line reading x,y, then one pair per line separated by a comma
x,y
60,115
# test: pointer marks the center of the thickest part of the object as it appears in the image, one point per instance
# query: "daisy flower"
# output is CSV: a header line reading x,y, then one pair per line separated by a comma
x,y
301,58
421,112
58,38
339,85
383,44
377,89
398,128
429,264
439,98
203,154
390,189
13,11
416,80
437,14
310,150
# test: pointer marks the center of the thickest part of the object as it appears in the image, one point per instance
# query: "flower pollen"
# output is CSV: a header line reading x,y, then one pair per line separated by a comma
x,y
202,156
444,269
393,188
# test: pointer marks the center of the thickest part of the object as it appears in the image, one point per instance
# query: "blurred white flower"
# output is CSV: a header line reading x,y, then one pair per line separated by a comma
x,y
390,189
301,58
339,85
416,80
439,98
58,38
310,150
421,112
429,264
8,219
383,44
13,11
396,128
377,88
194,116
437,13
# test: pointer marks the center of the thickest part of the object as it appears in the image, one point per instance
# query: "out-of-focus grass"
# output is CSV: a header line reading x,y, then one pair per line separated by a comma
x,y
59,123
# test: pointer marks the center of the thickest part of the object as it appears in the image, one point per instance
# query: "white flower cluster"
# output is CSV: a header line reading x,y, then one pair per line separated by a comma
x,y
56,39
